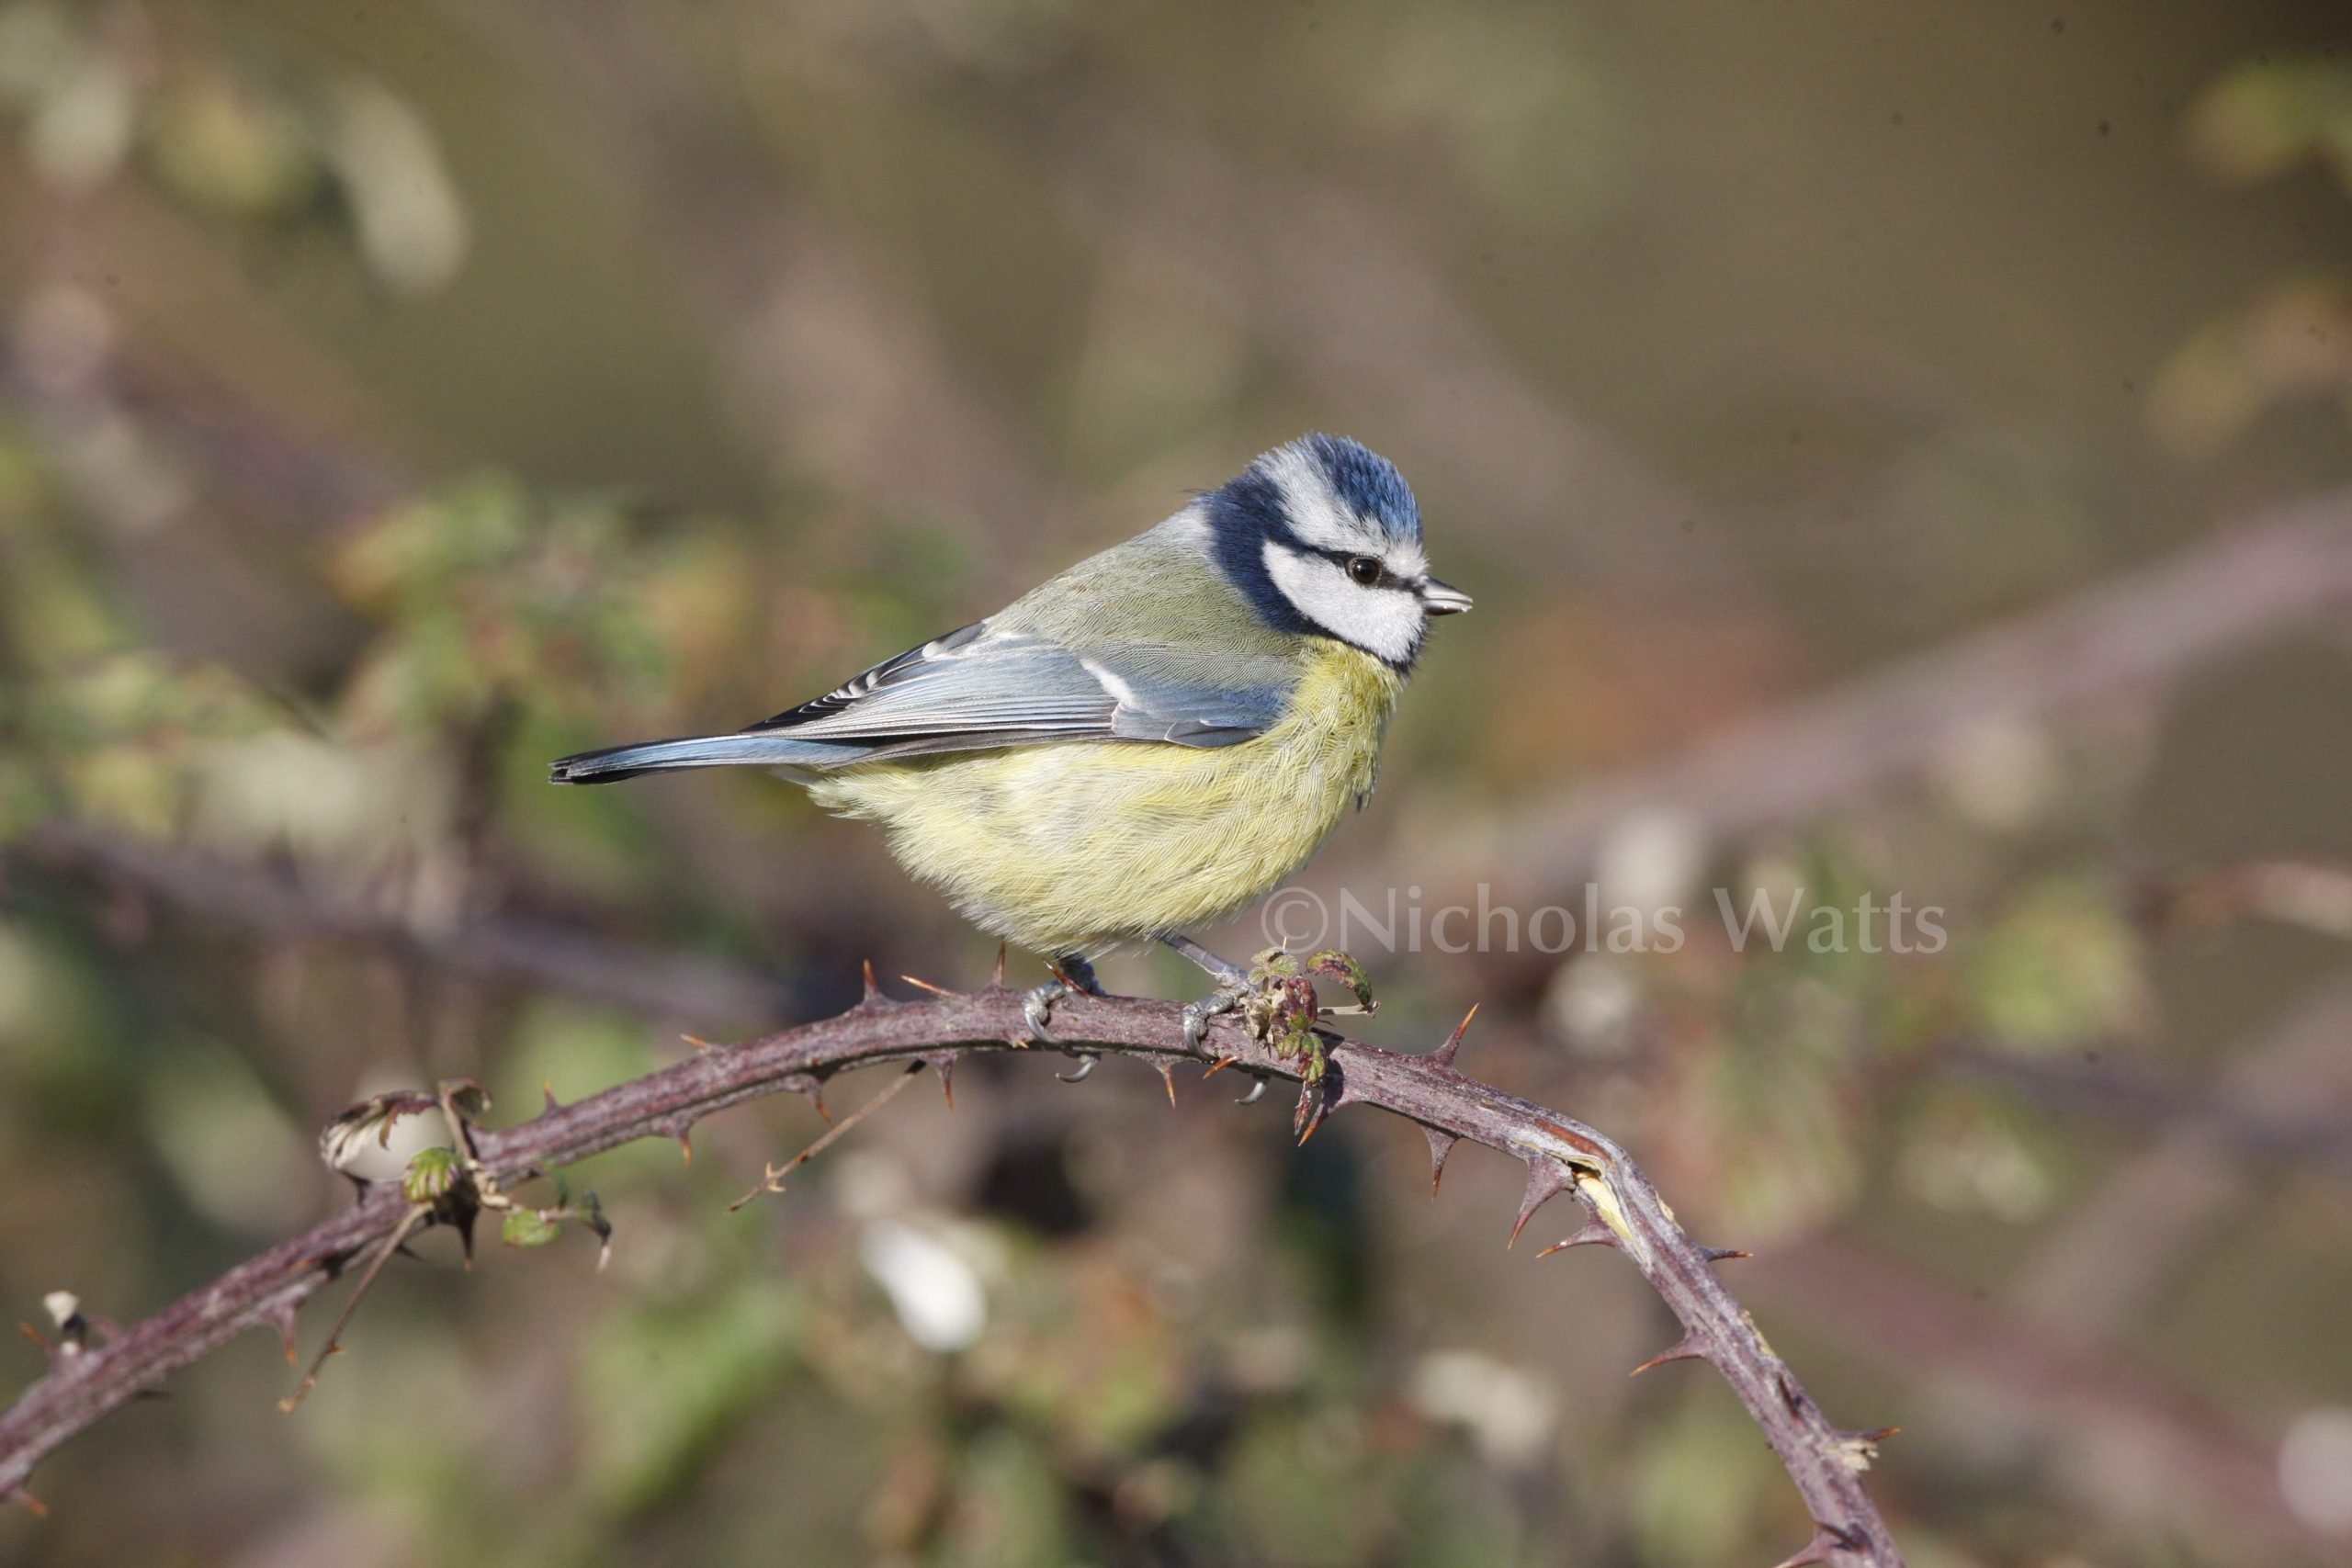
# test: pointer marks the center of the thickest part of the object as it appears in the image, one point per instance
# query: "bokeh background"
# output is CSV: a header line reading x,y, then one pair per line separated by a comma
x,y
1896,449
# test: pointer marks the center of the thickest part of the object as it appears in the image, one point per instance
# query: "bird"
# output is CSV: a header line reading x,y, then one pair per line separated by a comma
x,y
1147,742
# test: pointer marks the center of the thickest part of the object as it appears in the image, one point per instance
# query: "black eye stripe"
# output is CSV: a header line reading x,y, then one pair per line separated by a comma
x,y
1340,559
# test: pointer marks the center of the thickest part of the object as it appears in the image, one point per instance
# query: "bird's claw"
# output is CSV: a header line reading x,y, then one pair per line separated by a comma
x,y
1073,975
1257,1092
1199,1015
1037,1011
1277,1001
1086,1061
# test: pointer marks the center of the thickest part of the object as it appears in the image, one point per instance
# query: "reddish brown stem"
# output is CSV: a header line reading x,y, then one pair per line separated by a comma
x,y
1562,1155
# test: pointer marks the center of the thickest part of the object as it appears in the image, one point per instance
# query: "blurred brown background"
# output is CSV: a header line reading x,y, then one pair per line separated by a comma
x,y
1895,449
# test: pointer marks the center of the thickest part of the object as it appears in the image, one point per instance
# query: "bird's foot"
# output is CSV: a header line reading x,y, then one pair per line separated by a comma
x,y
1228,997
1072,976
1276,998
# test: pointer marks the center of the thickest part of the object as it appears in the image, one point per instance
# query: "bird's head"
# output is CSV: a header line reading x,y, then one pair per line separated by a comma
x,y
1323,538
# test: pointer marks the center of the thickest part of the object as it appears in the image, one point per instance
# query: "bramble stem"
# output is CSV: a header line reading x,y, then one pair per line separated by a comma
x,y
1562,1155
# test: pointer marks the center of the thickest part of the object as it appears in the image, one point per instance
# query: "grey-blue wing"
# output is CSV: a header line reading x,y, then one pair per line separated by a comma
x,y
975,688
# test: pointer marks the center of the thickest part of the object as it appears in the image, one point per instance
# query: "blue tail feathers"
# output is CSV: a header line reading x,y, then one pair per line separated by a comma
x,y
617,762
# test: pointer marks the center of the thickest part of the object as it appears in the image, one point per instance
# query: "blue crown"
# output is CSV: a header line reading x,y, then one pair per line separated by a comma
x,y
1368,483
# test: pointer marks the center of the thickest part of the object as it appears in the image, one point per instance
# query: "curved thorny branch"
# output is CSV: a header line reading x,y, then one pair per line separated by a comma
x,y
92,1374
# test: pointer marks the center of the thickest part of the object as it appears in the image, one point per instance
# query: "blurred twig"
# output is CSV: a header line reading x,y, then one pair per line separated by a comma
x,y
1561,1154
666,986
2042,1349
2099,1409
140,441
2117,1249
1345,293
832,365
2286,567
2237,1127
2315,896
2118,1246
816,337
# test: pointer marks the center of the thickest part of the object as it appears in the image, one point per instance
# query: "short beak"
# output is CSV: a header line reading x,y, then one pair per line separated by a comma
x,y
1438,599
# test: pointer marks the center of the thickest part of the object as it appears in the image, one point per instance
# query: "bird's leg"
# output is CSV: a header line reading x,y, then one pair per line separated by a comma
x,y
1072,974
1232,987
1276,998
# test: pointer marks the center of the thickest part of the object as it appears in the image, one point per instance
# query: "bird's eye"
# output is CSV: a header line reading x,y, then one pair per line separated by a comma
x,y
1364,570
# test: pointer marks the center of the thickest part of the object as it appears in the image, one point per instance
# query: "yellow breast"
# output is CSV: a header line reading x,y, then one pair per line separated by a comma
x,y
1076,847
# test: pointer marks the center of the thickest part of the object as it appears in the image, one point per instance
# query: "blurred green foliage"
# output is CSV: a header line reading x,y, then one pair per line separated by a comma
x,y
279,601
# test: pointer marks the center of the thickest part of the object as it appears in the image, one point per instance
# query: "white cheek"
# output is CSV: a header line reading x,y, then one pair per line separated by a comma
x,y
1385,621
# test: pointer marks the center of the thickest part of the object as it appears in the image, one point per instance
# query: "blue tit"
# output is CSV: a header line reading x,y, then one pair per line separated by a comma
x,y
1147,742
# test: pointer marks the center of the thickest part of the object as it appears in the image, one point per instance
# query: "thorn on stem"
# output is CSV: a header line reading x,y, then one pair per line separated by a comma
x,y
1218,1067
547,1092
1314,1110
695,1041
1444,1056
1683,1350
1826,1539
944,1063
1441,1145
940,991
996,981
1592,1232
1167,1075
1547,1178
1724,1254
811,1085
283,1320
